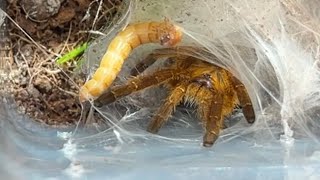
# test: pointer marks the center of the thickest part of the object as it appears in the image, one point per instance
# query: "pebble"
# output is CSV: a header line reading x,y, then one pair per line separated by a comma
x,y
33,91
23,81
23,93
41,9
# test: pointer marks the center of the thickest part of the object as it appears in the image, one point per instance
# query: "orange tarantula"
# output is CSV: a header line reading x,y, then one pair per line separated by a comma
x,y
213,89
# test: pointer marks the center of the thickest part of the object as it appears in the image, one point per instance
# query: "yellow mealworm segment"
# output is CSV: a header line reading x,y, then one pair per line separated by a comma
x,y
164,33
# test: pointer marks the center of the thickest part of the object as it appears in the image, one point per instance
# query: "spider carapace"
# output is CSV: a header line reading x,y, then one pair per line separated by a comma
x,y
214,91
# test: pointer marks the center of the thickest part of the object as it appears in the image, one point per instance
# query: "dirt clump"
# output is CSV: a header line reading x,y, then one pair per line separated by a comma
x,y
41,89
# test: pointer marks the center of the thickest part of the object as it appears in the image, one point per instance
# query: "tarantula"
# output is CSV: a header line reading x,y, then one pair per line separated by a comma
x,y
214,90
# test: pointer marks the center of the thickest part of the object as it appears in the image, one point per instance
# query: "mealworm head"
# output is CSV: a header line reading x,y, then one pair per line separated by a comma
x,y
170,36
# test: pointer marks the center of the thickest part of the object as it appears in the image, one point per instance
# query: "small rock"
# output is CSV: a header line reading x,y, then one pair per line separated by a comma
x,y
23,81
65,15
22,109
36,114
14,74
43,85
24,73
40,9
83,3
23,93
29,26
27,50
33,91
16,80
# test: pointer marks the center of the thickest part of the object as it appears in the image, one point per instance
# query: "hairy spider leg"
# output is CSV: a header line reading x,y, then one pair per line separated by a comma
x,y
134,85
162,115
141,82
213,120
173,52
210,110
148,61
244,101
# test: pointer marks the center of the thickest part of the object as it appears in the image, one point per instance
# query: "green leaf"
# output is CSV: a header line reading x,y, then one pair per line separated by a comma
x,y
72,54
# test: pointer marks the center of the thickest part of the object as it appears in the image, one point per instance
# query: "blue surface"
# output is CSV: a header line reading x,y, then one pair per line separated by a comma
x,y
33,152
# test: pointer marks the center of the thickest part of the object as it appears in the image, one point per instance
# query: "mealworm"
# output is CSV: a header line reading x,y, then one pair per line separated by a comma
x,y
164,32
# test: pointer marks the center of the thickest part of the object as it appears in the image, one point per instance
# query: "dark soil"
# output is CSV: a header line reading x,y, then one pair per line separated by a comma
x,y
43,91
